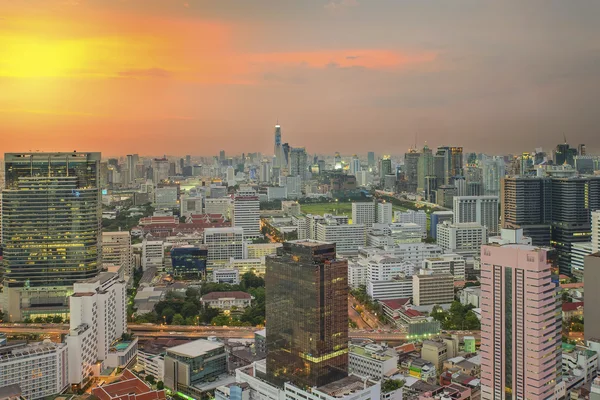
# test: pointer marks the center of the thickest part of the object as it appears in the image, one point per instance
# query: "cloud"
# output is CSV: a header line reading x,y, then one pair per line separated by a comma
x,y
337,5
352,57
145,73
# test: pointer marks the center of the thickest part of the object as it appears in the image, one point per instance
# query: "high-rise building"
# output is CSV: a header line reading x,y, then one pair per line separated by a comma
x,y
564,154
465,239
370,159
591,282
526,204
415,217
160,170
411,169
438,217
278,150
347,237
364,213
354,165
51,229
596,231
298,162
246,212
581,150
384,212
432,289
306,313
520,324
117,250
425,168
222,155
385,167
224,244
494,170
132,161
265,171
480,209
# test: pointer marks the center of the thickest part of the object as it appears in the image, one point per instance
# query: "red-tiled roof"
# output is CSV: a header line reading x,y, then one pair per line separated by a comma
x,y
220,295
406,348
395,304
411,313
128,387
571,306
571,285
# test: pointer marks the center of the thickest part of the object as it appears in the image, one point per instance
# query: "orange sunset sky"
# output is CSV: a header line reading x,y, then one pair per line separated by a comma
x,y
194,77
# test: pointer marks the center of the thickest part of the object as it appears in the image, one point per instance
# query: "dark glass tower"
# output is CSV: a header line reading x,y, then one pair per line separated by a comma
x,y
307,314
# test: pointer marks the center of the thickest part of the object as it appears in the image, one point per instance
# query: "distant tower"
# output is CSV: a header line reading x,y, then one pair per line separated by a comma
x,y
278,151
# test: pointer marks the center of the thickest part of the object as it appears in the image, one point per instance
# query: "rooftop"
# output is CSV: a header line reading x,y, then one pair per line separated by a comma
x,y
226,295
128,387
363,351
344,385
395,304
566,307
195,348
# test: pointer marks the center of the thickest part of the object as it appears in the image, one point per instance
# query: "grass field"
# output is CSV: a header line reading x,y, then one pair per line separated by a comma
x,y
335,208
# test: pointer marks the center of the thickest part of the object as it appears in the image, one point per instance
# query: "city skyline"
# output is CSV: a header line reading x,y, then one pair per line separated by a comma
x,y
129,77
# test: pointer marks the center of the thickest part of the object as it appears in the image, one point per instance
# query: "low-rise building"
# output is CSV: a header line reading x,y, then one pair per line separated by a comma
x,y
453,264
226,275
372,361
570,310
128,386
435,352
580,360
227,300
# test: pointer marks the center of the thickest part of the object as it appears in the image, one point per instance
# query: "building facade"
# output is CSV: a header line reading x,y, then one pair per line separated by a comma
x,y
480,209
246,213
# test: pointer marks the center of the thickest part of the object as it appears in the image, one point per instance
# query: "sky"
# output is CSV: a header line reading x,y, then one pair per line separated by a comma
x,y
196,76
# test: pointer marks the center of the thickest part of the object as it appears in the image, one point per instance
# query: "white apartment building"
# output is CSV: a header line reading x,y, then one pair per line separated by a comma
x,y
384,213
347,237
190,205
40,369
384,268
258,250
371,361
480,209
432,289
220,205
98,318
578,253
246,213
452,264
357,274
153,254
464,239
364,213
117,250
152,363
415,217
223,244
313,220
396,288
406,233
414,253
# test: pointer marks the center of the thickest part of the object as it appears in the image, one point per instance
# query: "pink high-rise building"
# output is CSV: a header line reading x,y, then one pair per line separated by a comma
x,y
520,324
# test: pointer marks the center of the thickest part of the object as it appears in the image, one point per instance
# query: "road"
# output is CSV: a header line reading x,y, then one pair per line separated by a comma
x,y
183,332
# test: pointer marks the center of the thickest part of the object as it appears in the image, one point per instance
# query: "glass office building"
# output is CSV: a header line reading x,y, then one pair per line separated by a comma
x,y
189,260
306,314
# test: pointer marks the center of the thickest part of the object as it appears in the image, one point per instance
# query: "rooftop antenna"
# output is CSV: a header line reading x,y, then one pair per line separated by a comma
x,y
565,136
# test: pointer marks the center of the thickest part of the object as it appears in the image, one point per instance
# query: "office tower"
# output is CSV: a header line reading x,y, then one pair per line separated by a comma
x,y
364,213
230,176
595,231
581,150
573,199
384,213
285,152
132,161
445,195
452,264
278,150
222,155
39,369
347,237
440,169
98,319
424,168
246,212
464,239
411,169
153,254
520,324
526,165
526,204
564,154
480,209
415,217
160,170
438,217
370,159
298,162
337,161
224,244
354,165
265,171
189,261
432,289
494,170
306,311
117,250
321,164
51,224
385,167
578,253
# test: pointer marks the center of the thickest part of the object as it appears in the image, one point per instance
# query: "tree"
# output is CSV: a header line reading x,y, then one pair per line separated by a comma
x,y
250,280
390,385
192,294
160,385
178,320
167,315
150,379
57,319
471,321
221,320
189,309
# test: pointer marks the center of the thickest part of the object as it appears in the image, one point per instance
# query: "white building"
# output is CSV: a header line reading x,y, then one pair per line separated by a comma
x,y
396,288
40,369
412,252
313,220
98,318
230,176
364,213
226,275
227,300
470,295
595,231
117,250
406,233
510,236
452,264
347,237
152,363
357,274
415,217
246,213
372,361
190,205
153,254
384,212
243,265
220,205
384,268
432,289
166,197
258,250
223,244
465,239
276,193
578,252
480,209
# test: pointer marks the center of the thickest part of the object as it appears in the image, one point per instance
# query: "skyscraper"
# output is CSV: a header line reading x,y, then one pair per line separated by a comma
x,y
520,324
370,159
160,170
265,171
278,151
306,313
354,165
51,224
246,212
481,209
411,165
385,167
298,162
494,170
425,168
564,154
132,161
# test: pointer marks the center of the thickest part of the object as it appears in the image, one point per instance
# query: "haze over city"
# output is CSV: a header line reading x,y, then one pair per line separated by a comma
x,y
176,77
